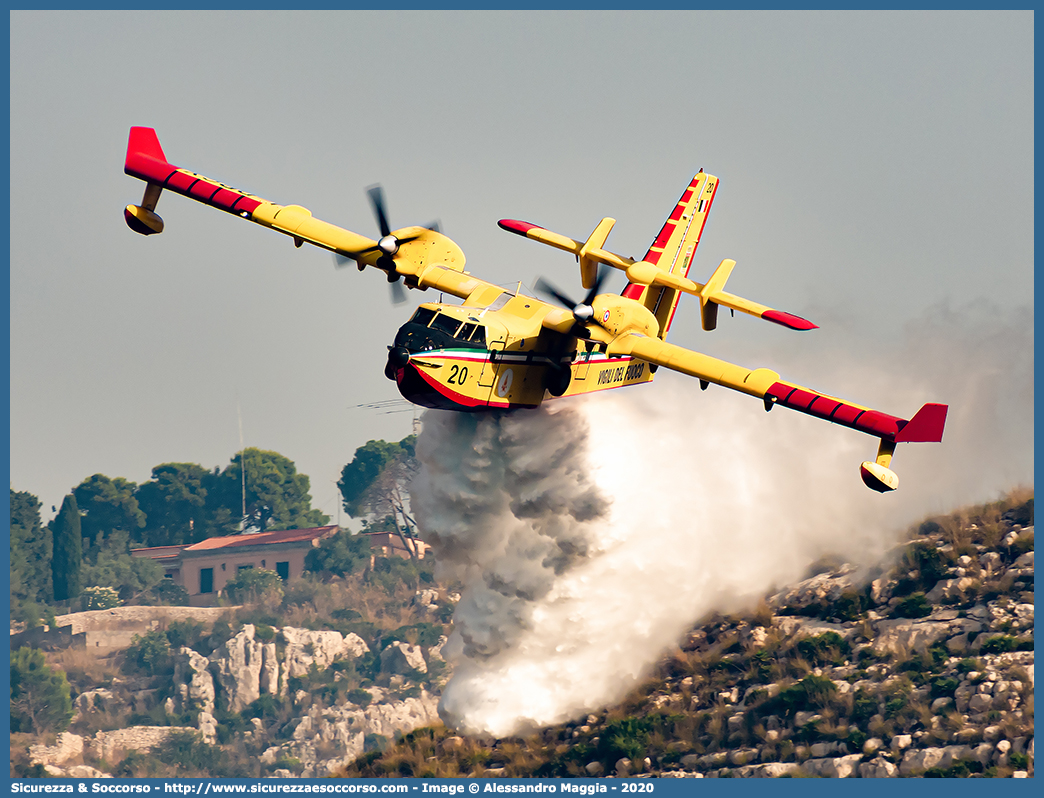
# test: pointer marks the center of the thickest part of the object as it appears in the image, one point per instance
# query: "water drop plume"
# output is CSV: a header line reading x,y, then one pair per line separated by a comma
x,y
591,534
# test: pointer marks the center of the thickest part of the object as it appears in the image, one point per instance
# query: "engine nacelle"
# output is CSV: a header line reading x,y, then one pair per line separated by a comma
x,y
142,220
877,477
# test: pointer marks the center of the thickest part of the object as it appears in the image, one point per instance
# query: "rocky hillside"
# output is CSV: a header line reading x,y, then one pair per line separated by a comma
x,y
250,699
922,665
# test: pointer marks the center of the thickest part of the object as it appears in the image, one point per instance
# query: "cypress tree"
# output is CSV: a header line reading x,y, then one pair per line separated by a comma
x,y
66,554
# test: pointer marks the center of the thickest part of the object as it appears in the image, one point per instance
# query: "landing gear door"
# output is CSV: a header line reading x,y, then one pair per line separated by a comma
x,y
489,368
582,362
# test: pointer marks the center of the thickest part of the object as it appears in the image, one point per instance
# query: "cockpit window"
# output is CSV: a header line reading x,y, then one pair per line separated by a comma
x,y
423,317
466,331
479,335
446,324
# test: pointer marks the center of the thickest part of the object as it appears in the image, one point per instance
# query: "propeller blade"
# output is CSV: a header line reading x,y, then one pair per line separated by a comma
x,y
544,287
398,293
435,226
377,201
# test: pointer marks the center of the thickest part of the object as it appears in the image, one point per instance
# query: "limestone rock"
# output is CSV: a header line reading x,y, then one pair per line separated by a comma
x,y
918,761
946,590
91,700
900,742
207,727
426,599
68,746
237,664
741,756
193,682
403,658
86,772
268,682
879,768
821,587
897,636
305,648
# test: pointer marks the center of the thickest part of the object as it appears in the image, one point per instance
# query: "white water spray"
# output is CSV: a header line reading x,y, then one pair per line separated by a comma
x,y
591,534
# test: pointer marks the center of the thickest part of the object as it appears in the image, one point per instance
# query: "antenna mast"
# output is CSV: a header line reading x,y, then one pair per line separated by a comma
x,y
242,464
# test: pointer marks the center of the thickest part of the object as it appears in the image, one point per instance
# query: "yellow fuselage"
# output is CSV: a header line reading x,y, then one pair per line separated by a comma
x,y
501,356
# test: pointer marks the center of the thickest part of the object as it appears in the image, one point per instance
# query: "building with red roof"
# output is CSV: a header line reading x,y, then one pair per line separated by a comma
x,y
204,568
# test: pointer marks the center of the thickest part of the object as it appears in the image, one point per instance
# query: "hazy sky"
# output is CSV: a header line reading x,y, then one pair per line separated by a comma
x,y
876,176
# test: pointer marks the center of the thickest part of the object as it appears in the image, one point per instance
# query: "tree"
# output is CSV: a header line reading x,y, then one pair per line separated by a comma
x,y
67,554
341,553
367,464
110,512
276,495
40,695
376,482
30,551
175,503
131,576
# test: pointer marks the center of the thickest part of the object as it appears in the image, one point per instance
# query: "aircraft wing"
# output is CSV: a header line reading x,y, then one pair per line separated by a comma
x,y
427,259
926,426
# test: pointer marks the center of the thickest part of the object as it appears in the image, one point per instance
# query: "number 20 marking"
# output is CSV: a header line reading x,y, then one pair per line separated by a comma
x,y
458,374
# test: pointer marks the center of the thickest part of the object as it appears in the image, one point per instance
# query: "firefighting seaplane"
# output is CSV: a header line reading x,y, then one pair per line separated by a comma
x,y
499,350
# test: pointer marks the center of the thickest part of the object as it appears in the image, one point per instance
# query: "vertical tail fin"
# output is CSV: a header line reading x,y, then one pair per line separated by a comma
x,y
675,247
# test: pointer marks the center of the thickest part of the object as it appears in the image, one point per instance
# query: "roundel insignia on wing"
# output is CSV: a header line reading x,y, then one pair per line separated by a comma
x,y
605,317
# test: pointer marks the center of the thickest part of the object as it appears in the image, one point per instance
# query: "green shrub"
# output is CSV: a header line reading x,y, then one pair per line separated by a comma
x,y
849,606
929,561
150,653
812,691
265,706
40,695
1019,761
264,633
185,751
1001,644
291,763
627,737
913,606
166,592
253,584
943,686
99,598
184,633
359,697
828,648
864,705
423,634
137,765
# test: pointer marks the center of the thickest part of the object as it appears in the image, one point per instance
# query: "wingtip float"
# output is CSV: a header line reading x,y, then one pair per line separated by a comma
x,y
500,350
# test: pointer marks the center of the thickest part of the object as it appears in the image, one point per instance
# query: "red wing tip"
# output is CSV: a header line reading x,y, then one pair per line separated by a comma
x,y
788,320
515,226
